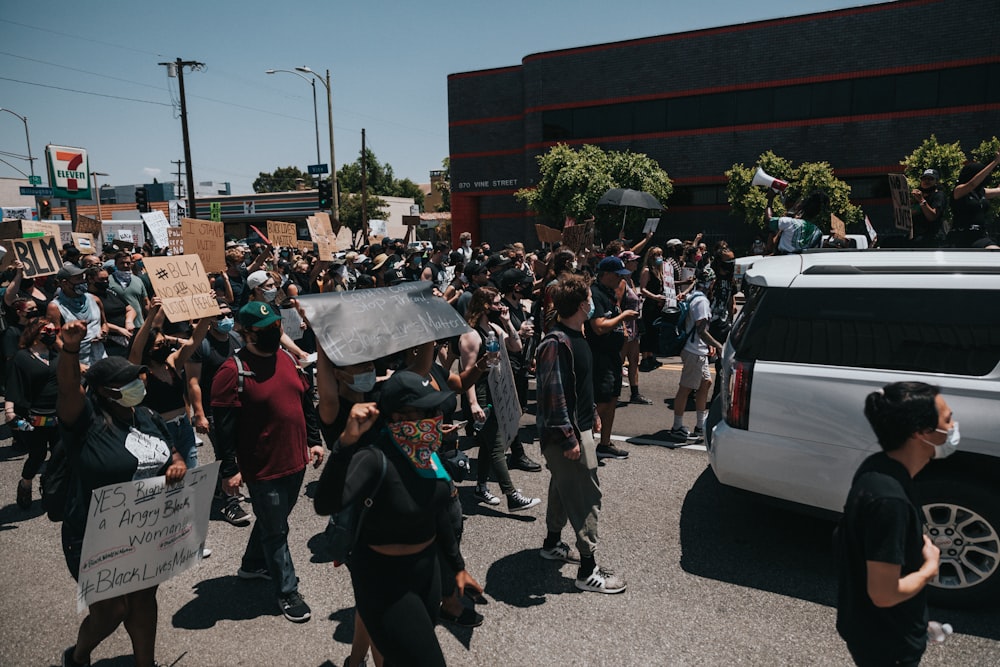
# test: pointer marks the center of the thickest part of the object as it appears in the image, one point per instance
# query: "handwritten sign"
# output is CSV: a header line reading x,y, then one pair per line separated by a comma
x,y
305,246
579,237
157,224
363,325
36,228
282,234
182,285
84,242
322,235
89,225
125,236
900,190
207,240
651,225
837,227
175,238
503,393
40,255
291,323
141,533
17,212
547,234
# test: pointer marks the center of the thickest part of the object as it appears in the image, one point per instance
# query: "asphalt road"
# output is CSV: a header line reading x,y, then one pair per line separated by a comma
x,y
714,578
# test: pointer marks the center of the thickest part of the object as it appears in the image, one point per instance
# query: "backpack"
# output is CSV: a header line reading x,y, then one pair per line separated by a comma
x,y
344,527
674,334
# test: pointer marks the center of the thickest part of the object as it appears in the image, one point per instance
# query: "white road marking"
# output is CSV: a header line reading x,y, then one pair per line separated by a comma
x,y
662,443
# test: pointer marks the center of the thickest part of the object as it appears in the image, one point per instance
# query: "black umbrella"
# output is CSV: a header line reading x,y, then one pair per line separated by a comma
x,y
629,199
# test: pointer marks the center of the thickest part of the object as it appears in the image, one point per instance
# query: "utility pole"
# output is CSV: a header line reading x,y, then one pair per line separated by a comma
x,y
364,188
178,172
176,68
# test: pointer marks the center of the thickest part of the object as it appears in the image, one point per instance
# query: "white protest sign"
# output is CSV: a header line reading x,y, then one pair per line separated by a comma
x,y
651,225
141,533
362,325
291,323
125,235
17,212
503,393
157,224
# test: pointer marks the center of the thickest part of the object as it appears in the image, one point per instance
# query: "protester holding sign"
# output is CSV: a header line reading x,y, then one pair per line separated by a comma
x,y
39,290
108,439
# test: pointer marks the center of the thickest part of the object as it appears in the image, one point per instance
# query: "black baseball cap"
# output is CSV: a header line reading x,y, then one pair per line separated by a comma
x,y
406,389
113,372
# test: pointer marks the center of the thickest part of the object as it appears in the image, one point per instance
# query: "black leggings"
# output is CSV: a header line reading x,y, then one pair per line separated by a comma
x,y
454,511
398,598
39,443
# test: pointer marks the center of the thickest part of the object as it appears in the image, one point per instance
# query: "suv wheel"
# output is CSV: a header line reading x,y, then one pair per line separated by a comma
x,y
963,520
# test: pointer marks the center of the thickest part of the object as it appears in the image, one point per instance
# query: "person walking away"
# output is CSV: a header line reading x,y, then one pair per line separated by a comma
x,y
268,431
566,419
884,559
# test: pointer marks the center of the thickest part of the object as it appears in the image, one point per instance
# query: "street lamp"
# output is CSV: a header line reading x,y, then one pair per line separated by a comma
x,y
97,190
335,208
27,139
311,82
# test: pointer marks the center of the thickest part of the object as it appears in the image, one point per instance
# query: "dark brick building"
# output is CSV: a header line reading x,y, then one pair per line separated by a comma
x,y
859,88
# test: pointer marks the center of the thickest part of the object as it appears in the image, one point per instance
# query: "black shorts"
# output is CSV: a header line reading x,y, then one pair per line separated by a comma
x,y
607,378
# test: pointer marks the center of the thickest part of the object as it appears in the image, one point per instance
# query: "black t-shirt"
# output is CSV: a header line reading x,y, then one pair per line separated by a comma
x,y
31,384
11,340
211,354
882,522
583,368
605,306
114,311
930,229
970,211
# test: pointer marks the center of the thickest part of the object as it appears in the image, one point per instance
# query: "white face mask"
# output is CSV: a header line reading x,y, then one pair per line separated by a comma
x,y
949,446
269,294
363,382
132,394
467,243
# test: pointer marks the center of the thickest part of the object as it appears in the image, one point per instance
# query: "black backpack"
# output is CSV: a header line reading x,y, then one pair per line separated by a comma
x,y
344,527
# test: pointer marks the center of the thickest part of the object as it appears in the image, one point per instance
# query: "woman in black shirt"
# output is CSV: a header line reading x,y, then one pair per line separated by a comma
x,y
31,395
970,204
397,585
118,313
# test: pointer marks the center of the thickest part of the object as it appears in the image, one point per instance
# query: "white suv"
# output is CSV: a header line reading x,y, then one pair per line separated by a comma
x,y
821,330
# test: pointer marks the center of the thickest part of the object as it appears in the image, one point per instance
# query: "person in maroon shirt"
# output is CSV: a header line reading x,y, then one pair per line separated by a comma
x,y
265,420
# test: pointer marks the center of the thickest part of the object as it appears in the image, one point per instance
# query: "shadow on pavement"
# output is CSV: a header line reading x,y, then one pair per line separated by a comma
x,y
471,506
523,579
215,602
11,515
740,539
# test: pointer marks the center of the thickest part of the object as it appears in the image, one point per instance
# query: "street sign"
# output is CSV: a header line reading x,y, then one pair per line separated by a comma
x,y
36,192
317,169
35,180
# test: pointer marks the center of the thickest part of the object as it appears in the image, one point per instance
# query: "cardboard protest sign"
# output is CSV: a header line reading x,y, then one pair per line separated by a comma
x,y
141,533
282,234
322,235
207,240
157,225
579,237
548,234
40,255
36,228
175,237
305,246
837,227
900,190
362,325
291,323
89,225
503,393
84,243
651,225
182,285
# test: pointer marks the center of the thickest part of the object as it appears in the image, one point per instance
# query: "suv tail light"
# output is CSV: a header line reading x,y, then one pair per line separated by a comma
x,y
738,405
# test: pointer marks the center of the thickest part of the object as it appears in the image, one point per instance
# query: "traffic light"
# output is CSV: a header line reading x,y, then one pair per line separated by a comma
x,y
44,209
325,194
142,199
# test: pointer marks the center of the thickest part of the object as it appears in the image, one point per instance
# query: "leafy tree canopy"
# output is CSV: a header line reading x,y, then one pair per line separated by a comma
x,y
350,209
380,180
750,202
282,179
444,186
572,182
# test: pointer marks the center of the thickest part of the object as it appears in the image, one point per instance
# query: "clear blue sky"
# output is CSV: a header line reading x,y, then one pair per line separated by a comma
x,y
389,63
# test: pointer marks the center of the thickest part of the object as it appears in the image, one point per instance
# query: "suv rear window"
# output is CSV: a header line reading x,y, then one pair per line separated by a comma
x,y
932,331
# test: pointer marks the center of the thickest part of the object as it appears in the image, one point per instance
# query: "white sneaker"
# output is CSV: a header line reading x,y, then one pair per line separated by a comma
x,y
602,581
562,552
483,495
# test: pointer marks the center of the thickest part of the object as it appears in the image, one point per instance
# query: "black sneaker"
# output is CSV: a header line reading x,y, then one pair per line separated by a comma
x,y
524,463
294,608
254,573
517,502
68,661
639,399
234,513
679,435
469,618
611,451
24,494
697,435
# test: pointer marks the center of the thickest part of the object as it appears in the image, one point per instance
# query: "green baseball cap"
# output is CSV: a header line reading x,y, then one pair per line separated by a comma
x,y
258,314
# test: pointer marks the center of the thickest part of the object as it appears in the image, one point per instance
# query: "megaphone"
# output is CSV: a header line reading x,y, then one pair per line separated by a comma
x,y
765,180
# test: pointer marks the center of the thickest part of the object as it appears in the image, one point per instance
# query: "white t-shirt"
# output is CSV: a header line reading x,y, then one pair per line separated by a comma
x,y
698,309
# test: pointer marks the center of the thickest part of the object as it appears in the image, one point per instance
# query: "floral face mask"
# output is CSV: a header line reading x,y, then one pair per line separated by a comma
x,y
420,440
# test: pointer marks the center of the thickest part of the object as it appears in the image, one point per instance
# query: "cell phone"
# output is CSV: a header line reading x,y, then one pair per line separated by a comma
x,y
461,424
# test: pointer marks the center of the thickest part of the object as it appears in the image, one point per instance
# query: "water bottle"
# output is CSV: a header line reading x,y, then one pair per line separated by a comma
x,y
478,425
23,425
492,349
937,633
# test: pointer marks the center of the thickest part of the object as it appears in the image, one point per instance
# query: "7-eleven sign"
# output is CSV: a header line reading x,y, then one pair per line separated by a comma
x,y
69,172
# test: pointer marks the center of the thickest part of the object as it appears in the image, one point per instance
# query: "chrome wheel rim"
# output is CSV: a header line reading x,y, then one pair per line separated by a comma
x,y
970,546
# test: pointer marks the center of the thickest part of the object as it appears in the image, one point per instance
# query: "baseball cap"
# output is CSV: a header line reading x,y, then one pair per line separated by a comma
x,y
258,314
933,173
474,268
672,242
68,271
113,372
613,265
628,256
407,389
256,279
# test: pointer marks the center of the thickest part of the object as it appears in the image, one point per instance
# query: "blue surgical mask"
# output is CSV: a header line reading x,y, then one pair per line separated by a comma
x,y
80,289
590,313
950,445
225,325
658,261
363,382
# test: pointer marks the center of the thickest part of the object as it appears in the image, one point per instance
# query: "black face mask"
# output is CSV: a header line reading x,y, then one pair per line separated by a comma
x,y
268,340
160,354
48,339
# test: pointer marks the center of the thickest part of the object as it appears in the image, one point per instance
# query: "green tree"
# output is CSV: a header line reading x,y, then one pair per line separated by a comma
x,y
282,179
750,203
380,179
572,182
350,209
931,154
444,186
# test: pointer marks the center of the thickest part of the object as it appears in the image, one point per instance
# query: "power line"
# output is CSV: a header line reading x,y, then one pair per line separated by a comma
x,y
83,92
84,39
76,69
